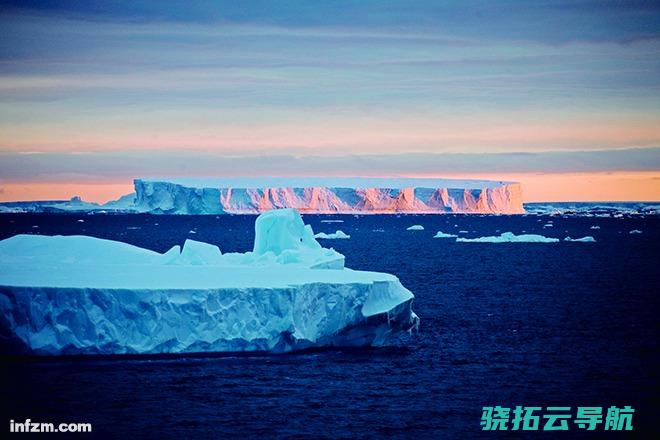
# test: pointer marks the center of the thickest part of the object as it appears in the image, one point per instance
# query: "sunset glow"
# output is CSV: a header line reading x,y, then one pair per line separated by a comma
x,y
602,186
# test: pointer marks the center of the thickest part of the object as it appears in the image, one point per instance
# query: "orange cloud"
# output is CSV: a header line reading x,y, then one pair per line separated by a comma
x,y
582,187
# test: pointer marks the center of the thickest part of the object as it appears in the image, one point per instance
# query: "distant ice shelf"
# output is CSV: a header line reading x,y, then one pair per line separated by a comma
x,y
84,295
327,195
352,196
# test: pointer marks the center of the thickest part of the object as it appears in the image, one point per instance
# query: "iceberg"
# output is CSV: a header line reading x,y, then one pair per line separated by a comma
x,y
635,231
588,239
334,235
415,228
509,237
242,195
441,234
63,295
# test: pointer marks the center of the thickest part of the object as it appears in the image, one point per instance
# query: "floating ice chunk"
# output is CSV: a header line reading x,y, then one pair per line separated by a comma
x,y
587,239
338,234
332,221
81,220
595,227
441,234
462,232
192,231
415,228
635,231
548,225
509,237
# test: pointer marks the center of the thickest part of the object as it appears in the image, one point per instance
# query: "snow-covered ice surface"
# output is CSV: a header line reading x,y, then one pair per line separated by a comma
x,y
415,228
509,237
84,295
587,239
335,235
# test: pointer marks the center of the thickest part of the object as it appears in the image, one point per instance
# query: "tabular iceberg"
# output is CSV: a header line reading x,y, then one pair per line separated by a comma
x,y
326,195
84,295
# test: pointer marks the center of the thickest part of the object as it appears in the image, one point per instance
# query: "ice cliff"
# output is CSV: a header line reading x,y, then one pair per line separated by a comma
x,y
326,195
84,295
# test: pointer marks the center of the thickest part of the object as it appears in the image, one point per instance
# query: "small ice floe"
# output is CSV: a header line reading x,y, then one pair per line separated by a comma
x,y
462,232
81,220
441,234
192,231
37,227
378,230
332,221
336,235
548,225
415,228
635,231
134,227
510,237
595,227
587,239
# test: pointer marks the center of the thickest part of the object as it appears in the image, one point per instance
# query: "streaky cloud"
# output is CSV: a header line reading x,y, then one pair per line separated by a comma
x,y
53,167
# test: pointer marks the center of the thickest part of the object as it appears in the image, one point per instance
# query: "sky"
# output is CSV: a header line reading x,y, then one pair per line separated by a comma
x,y
563,96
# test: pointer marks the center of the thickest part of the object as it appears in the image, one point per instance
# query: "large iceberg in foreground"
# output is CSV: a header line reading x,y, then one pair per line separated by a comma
x,y
84,295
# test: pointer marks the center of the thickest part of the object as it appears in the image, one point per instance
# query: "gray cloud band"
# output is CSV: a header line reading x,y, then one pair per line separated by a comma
x,y
53,167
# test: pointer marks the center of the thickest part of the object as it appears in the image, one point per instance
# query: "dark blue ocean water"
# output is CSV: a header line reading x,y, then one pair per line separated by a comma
x,y
566,324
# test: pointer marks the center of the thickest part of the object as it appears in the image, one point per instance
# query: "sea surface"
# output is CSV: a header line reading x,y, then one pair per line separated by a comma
x,y
558,324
